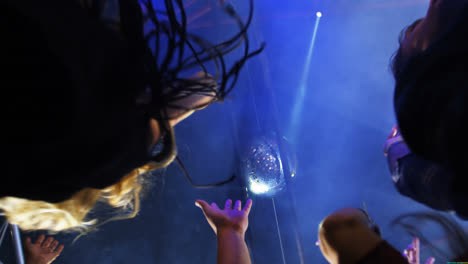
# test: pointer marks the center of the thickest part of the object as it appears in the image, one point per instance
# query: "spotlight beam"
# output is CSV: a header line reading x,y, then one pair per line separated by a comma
x,y
301,93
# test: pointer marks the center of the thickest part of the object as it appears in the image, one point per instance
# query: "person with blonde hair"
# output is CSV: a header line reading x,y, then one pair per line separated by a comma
x,y
90,87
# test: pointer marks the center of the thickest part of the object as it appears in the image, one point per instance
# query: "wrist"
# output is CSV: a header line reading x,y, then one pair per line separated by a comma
x,y
31,260
230,231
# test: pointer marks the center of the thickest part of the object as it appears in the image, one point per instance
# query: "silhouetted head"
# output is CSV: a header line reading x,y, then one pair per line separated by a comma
x,y
430,70
77,113
347,234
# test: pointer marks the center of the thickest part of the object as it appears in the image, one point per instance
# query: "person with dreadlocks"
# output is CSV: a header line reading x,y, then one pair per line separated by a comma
x,y
90,86
427,150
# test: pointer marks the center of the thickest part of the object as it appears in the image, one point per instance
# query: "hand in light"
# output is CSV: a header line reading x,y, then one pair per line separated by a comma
x,y
235,219
413,251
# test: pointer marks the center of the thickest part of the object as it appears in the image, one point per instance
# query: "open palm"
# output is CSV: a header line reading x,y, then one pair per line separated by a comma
x,y
42,252
234,218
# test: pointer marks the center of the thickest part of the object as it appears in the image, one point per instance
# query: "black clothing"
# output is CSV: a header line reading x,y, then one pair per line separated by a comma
x,y
384,253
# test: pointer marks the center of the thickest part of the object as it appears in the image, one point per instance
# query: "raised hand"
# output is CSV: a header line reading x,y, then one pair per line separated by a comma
x,y
230,218
42,252
412,253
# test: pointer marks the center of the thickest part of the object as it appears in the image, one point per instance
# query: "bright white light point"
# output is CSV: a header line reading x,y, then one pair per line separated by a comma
x,y
259,188
319,14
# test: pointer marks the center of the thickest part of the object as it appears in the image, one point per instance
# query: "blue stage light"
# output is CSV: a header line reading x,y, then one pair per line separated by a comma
x,y
319,14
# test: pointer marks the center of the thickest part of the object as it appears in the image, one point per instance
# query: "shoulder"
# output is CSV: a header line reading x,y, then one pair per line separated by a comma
x,y
383,253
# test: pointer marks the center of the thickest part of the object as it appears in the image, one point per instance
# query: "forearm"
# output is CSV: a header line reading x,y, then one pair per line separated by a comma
x,y
232,248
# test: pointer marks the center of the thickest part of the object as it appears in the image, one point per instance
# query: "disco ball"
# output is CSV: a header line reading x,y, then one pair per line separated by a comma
x,y
263,167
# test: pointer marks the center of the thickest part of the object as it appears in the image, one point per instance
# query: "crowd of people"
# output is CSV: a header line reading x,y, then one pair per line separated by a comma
x,y
101,92
426,151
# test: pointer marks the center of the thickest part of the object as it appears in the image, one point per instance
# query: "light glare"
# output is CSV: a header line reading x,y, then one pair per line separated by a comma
x,y
319,14
259,188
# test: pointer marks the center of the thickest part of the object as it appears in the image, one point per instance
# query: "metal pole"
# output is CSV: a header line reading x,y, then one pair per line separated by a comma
x,y
3,231
17,243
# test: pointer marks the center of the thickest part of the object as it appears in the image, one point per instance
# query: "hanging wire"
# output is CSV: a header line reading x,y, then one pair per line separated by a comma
x,y
204,186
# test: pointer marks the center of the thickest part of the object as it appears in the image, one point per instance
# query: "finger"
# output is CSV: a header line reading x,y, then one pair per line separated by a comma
x,y
238,205
248,206
228,204
394,131
54,245
40,239
204,206
430,261
412,258
397,131
48,242
215,206
59,250
416,243
416,249
201,204
411,252
27,241
408,253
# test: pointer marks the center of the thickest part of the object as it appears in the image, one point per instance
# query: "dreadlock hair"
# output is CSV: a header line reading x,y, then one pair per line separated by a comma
x,y
163,78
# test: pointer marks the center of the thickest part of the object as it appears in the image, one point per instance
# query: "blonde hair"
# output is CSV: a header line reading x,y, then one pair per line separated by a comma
x,y
69,215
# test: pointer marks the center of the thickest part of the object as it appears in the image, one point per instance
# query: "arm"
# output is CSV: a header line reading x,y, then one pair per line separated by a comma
x,y
229,226
232,248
